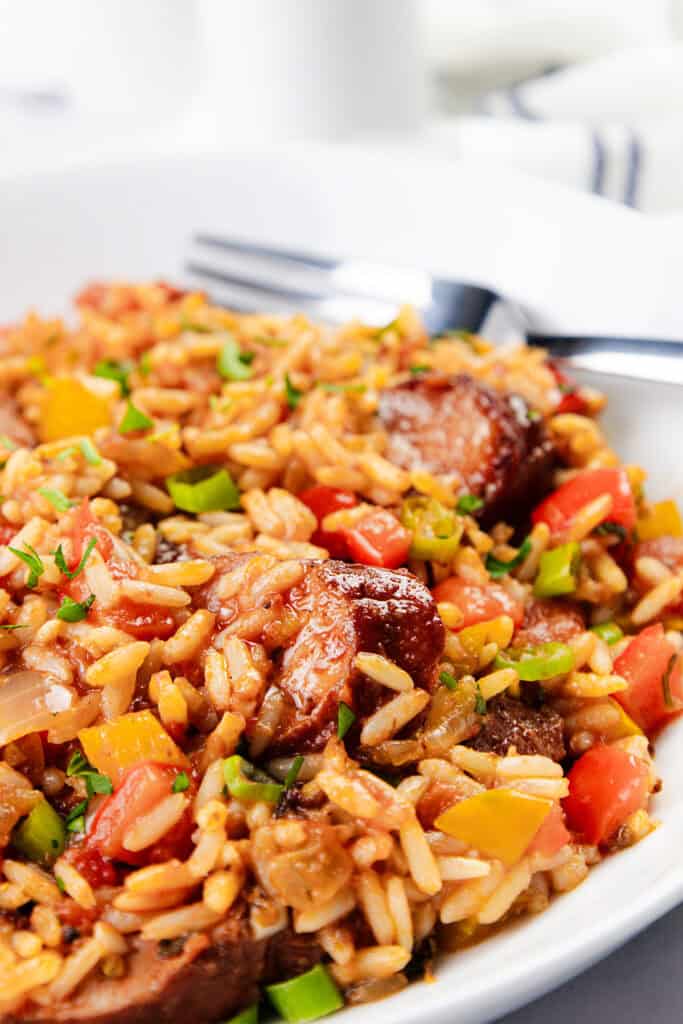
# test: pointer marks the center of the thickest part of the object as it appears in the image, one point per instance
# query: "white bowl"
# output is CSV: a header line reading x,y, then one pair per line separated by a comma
x,y
581,264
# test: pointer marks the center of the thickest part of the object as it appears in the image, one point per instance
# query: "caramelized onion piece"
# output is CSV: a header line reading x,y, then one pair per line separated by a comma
x,y
31,702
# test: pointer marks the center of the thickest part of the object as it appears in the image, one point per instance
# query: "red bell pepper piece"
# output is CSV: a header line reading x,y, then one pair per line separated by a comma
x,y
559,508
378,539
322,501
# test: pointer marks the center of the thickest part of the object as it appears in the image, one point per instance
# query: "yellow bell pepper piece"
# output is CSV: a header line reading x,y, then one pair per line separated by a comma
x,y
499,822
662,520
625,727
466,648
116,746
73,405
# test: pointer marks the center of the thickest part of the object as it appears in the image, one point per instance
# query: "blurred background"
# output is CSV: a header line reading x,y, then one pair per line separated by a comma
x,y
587,94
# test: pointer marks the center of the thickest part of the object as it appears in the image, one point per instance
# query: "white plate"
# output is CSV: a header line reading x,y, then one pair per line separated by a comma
x,y
578,262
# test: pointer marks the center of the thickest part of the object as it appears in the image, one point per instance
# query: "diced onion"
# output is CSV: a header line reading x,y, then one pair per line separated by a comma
x,y
31,702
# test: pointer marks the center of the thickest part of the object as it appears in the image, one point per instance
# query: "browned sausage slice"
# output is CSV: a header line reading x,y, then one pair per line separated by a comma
x,y
343,610
509,722
211,978
459,427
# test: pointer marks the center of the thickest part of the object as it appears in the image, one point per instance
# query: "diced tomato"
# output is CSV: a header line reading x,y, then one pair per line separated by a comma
x,y
143,621
652,670
378,539
142,788
322,501
86,526
559,509
479,603
551,836
7,531
438,798
96,869
606,785
571,400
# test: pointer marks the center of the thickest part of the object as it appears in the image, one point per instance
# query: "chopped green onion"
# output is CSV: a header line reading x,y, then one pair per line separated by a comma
x,y
293,772
468,503
57,499
533,664
134,419
436,529
181,783
497,568
479,702
608,631
40,837
666,681
245,782
14,625
66,453
8,443
345,719
145,364
248,1016
263,339
203,489
557,571
341,388
75,819
448,680
60,883
308,997
95,782
60,561
74,611
78,764
110,369
231,363
90,452
607,528
32,559
419,368
292,394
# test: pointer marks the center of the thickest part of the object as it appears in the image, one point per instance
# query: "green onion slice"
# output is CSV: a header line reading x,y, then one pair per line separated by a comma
x,y
436,529
32,559
57,499
181,783
245,782
203,489
248,1016
533,664
40,837
557,571
60,560
469,503
90,452
292,394
497,568
74,611
134,419
308,997
293,771
231,363
448,680
110,369
345,719
609,632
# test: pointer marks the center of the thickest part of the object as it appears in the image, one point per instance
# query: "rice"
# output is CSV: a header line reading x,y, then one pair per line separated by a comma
x,y
210,623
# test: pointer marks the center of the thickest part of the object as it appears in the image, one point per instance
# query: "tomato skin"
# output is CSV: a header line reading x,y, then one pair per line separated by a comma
x,y
479,603
643,665
438,798
86,526
142,788
606,785
96,869
378,539
560,507
571,401
551,836
322,501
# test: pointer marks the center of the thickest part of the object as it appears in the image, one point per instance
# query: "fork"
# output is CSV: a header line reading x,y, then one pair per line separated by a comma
x,y
253,277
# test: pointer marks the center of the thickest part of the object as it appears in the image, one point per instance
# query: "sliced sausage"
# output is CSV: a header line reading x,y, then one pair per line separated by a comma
x,y
549,621
208,978
459,427
509,722
343,610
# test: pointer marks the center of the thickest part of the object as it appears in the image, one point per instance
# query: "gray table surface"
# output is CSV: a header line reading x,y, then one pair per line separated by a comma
x,y
642,982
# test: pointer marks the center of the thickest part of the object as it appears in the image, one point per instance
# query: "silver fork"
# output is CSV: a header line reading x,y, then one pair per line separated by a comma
x,y
253,277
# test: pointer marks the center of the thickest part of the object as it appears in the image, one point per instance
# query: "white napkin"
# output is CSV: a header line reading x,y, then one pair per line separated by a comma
x,y
611,126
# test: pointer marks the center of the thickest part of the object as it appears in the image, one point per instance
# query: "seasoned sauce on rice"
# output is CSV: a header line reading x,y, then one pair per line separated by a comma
x,y
312,642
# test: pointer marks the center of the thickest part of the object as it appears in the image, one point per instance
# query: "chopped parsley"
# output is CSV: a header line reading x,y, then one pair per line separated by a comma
x,y
448,680
497,568
57,498
32,559
90,452
419,368
134,419
345,719
110,369
180,783
145,364
293,771
79,768
75,819
60,561
74,611
608,527
479,702
292,394
468,503
232,363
